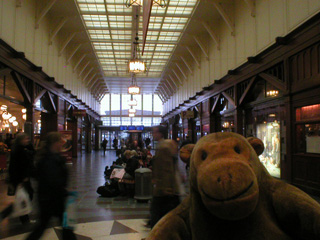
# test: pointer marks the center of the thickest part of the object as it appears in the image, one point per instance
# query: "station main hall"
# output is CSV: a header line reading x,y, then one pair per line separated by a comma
x,y
106,73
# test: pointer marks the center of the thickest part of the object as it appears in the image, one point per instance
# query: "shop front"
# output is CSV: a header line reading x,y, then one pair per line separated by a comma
x,y
264,115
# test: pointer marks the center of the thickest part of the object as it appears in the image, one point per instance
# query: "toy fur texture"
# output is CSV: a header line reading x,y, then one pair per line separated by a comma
x,y
232,196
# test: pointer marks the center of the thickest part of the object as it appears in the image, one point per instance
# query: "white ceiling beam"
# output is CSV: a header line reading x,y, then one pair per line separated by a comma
x,y
186,63
177,75
129,41
91,78
200,44
57,28
73,53
96,85
252,6
43,12
164,93
177,87
181,70
161,88
214,36
172,79
83,68
170,84
225,16
194,56
66,42
87,74
160,96
170,89
79,61
90,85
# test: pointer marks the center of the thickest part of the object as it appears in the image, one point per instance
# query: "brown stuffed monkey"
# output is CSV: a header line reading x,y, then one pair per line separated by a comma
x,y
232,196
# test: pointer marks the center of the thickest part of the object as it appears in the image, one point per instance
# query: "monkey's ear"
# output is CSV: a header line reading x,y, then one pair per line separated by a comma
x,y
185,152
257,144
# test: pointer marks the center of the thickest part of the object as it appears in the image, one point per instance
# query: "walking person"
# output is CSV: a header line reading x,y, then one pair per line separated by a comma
x,y
104,146
21,168
52,176
164,167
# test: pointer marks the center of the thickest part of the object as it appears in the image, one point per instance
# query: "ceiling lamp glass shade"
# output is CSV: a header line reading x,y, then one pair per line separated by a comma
x,y
134,90
130,3
132,110
24,116
23,110
131,115
137,66
132,102
3,107
15,123
6,115
6,125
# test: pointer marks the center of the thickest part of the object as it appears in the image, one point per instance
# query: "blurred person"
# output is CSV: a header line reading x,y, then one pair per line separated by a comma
x,y
132,163
164,168
20,170
115,143
52,176
104,146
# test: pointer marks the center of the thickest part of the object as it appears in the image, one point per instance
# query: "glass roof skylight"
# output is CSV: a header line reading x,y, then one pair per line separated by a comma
x,y
110,27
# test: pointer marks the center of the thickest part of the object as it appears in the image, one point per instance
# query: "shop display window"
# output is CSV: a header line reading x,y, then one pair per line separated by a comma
x,y
269,133
308,129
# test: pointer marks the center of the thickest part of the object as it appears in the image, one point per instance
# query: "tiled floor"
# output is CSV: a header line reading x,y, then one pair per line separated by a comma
x,y
98,218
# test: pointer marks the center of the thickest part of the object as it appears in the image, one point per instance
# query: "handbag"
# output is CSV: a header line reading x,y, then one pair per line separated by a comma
x,y
22,204
117,173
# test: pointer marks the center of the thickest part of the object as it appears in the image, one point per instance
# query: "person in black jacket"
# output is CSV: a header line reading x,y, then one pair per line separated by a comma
x,y
21,168
52,176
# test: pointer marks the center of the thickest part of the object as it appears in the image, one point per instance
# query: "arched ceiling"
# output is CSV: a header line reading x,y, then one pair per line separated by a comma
x,y
98,36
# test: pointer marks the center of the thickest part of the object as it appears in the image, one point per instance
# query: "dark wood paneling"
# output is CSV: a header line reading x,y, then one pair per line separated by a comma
x,y
305,171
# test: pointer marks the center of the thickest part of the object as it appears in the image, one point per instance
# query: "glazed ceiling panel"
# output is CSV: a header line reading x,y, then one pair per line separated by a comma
x,y
111,30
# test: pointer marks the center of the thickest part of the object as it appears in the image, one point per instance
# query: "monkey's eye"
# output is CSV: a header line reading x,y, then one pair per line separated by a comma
x,y
204,155
237,149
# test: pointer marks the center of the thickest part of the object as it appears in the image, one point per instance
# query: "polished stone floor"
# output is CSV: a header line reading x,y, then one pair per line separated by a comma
x,y
98,218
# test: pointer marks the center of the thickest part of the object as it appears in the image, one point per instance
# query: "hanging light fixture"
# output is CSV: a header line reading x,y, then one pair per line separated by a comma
x,y
24,116
130,3
160,3
132,102
136,65
23,110
132,110
133,89
131,115
15,123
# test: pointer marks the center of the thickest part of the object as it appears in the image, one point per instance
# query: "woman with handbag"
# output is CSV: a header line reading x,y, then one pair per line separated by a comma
x,y
20,170
52,176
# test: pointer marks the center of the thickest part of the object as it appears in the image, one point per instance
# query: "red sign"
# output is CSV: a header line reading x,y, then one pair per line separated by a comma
x,y
67,146
79,113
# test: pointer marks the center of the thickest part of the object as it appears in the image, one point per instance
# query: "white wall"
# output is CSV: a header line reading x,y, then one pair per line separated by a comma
x,y
252,35
17,28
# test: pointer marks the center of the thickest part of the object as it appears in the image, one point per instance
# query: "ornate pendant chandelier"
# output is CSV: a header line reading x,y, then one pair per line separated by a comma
x,y
132,102
133,89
